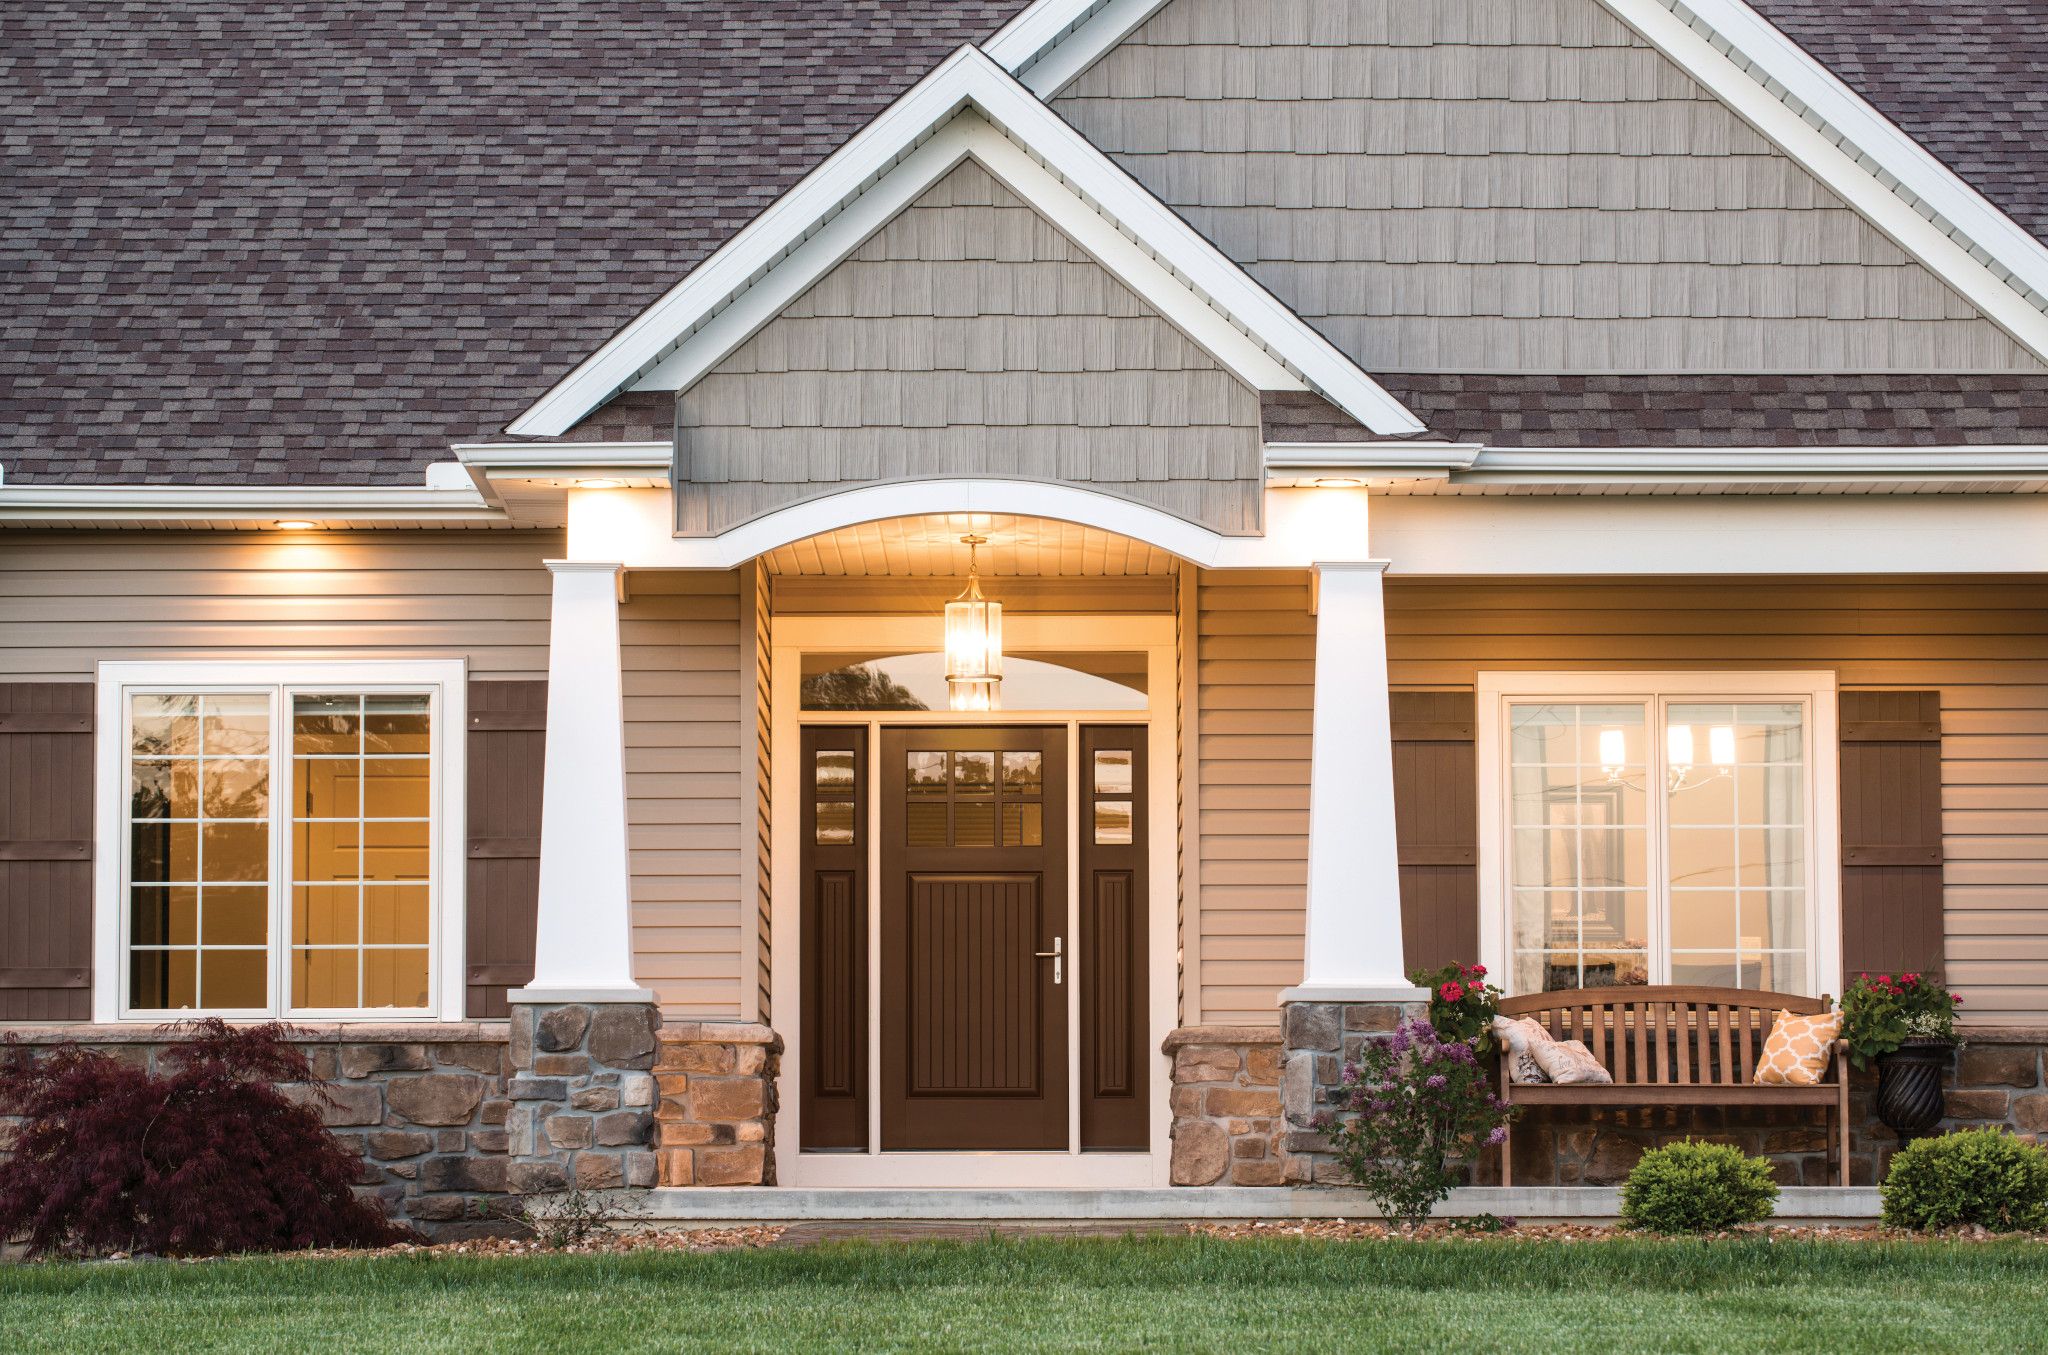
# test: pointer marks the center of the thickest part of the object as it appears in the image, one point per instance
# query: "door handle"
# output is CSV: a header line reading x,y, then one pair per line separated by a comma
x,y
1058,944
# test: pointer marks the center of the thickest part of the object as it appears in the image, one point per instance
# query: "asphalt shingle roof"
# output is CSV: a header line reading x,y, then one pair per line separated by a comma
x,y
316,241
1968,79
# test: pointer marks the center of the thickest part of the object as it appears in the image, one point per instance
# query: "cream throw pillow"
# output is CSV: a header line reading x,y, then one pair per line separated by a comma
x,y
1519,1038
1569,1061
1796,1053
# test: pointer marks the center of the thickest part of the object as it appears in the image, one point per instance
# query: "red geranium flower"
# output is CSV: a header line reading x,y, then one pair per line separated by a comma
x,y
1477,971
1452,992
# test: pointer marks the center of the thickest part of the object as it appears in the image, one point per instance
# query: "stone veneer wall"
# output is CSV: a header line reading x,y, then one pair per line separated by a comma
x,y
424,1103
717,1112
582,1096
1245,1097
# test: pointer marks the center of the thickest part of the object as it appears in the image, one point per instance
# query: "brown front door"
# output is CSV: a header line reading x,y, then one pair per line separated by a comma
x,y
975,956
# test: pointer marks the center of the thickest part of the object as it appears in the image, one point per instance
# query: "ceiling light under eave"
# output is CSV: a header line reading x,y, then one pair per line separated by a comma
x,y
600,482
1338,482
296,525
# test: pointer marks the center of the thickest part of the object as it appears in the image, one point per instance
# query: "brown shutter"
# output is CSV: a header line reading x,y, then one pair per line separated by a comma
x,y
1891,832
46,851
1436,823
507,741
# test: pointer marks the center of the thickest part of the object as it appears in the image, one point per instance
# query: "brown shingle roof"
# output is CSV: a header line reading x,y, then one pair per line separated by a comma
x,y
317,242
1968,79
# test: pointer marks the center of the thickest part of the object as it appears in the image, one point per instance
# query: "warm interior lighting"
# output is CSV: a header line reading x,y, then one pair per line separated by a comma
x,y
974,641
1721,745
1613,752
296,524
1678,748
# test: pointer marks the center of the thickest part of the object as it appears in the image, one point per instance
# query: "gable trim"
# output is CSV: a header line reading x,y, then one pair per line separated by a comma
x,y
967,137
968,78
1771,82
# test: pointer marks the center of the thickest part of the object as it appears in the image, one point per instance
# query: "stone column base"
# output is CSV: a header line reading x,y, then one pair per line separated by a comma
x,y
1226,1105
1319,1039
582,1094
717,1111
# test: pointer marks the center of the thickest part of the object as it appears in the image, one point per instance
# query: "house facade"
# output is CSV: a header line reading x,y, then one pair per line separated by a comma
x,y
497,518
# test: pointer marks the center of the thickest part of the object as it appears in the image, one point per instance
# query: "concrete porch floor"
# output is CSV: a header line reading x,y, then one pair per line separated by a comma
x,y
1153,1209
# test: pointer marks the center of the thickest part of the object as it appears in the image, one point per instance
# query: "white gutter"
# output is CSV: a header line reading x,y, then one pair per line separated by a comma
x,y
1474,463
260,504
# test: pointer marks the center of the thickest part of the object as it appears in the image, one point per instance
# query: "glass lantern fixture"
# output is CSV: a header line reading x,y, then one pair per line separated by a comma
x,y
974,641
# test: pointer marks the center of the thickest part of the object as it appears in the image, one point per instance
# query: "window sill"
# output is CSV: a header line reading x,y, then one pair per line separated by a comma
x,y
309,1032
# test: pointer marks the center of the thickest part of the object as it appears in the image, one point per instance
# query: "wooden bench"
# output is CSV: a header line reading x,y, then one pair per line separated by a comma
x,y
1676,1047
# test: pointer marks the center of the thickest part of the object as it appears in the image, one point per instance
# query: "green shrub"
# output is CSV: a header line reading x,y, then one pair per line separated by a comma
x,y
1976,1176
1697,1188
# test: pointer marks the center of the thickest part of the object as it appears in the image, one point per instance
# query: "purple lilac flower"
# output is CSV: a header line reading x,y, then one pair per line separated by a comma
x,y
1435,1081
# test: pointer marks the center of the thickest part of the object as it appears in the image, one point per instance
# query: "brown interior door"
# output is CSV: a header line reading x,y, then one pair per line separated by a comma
x,y
975,956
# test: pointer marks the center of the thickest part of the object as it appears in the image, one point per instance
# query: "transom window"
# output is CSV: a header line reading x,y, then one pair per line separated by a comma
x,y
281,841
1659,829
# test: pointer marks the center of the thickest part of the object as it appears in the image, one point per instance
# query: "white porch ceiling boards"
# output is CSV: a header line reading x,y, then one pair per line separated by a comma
x,y
928,546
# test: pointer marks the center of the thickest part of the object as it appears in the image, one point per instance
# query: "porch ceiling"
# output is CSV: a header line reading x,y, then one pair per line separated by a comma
x,y
928,546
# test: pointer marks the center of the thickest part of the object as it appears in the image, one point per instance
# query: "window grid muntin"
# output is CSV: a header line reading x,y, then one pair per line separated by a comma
x,y
362,883
200,697
1658,806
279,904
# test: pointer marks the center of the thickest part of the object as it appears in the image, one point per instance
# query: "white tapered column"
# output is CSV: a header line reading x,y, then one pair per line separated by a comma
x,y
1353,951
584,932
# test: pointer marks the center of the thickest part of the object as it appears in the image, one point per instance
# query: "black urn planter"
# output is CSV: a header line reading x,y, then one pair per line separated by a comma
x,y
1909,1099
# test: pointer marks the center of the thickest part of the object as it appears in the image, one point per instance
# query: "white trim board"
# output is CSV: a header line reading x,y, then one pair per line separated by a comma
x,y
799,236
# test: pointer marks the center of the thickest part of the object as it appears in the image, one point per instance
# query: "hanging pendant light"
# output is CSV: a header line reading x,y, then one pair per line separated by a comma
x,y
974,641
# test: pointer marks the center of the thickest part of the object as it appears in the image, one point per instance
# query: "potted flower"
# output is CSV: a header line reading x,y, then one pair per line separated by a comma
x,y
1907,1026
1462,1004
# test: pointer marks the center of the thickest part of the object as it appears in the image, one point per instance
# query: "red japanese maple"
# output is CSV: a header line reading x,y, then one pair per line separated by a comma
x,y
203,1157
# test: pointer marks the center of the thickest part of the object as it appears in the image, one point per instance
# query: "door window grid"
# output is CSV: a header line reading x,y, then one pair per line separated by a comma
x,y
955,799
1702,882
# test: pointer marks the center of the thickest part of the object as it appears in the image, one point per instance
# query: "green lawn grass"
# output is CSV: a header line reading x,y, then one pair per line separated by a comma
x,y
1168,1293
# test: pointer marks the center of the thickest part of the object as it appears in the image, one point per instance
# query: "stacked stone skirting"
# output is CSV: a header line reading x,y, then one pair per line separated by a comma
x,y
1226,1106
716,1117
1245,1098
424,1103
582,1096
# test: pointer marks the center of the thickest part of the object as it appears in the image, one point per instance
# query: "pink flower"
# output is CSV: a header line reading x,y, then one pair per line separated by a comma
x,y
1477,971
1452,992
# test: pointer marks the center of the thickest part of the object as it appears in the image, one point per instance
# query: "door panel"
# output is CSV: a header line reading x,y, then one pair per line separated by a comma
x,y
974,902
1111,963
834,942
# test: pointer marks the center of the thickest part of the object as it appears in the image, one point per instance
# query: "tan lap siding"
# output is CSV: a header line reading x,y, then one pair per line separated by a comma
x,y
685,700
1983,643
69,600
1254,665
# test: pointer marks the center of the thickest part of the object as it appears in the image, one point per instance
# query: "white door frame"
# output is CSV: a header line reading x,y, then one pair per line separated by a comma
x,y
790,637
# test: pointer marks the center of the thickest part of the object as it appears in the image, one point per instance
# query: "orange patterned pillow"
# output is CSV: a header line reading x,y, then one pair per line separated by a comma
x,y
1796,1054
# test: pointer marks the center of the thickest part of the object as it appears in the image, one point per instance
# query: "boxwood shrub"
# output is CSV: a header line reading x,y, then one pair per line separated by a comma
x,y
1985,1177
1697,1188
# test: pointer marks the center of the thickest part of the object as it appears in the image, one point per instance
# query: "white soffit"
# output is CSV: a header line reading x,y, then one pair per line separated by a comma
x,y
1769,80
882,169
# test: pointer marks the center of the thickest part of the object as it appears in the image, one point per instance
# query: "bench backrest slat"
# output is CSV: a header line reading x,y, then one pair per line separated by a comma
x,y
1674,1035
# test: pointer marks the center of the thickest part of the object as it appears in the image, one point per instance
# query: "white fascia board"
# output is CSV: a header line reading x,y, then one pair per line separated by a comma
x,y
1723,68
969,136
1388,455
1053,41
213,503
1816,92
1629,465
774,243
585,457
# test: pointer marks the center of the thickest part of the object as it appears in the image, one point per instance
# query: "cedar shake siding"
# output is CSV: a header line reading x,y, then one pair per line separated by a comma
x,y
968,336
1508,185
1982,643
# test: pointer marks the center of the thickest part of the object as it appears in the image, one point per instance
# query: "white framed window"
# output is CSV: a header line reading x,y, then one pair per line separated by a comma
x,y
279,839
1659,828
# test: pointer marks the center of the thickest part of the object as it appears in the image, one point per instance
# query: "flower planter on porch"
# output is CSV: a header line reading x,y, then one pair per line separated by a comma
x,y
1909,1096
